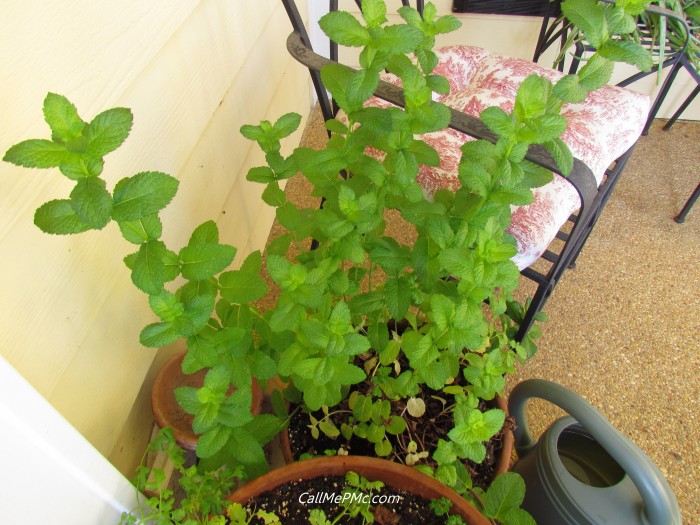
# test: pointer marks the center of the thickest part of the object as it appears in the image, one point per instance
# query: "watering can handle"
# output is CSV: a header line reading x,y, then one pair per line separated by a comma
x,y
659,501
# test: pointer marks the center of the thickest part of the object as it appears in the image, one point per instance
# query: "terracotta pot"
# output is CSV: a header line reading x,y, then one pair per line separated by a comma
x,y
502,463
166,410
392,474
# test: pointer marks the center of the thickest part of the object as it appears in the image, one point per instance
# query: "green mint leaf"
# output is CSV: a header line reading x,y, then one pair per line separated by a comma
x,y
431,117
498,121
91,202
346,374
388,253
419,349
202,261
442,311
63,119
415,87
692,11
149,273
397,425
158,335
543,128
506,492
589,17
627,51
493,421
248,451
244,285
446,474
411,16
261,174
188,399
517,517
205,233
254,133
569,89
636,7
77,166
438,84
345,29
473,451
262,366
561,154
264,427
446,24
429,13
337,79
532,97
36,153
619,22
212,441
166,306
57,217
397,292
235,409
596,73
273,195
399,39
286,125
108,131
142,230
197,312
142,195
374,12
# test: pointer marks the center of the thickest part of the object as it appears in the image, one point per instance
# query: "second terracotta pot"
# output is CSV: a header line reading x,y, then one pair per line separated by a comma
x,y
167,411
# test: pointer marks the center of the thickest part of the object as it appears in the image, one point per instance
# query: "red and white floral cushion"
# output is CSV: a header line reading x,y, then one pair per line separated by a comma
x,y
600,129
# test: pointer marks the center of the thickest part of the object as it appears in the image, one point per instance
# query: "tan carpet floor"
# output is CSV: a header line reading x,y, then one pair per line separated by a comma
x,y
624,328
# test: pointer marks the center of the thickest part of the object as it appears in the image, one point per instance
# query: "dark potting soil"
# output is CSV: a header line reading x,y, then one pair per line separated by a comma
x,y
293,501
426,430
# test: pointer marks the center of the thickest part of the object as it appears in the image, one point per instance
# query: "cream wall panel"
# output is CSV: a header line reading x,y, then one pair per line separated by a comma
x,y
73,317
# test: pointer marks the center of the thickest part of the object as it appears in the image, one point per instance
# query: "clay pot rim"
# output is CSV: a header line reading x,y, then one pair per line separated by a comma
x,y
393,474
502,464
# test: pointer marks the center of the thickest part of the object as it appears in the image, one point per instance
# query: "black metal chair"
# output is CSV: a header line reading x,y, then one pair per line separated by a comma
x,y
555,28
589,189
685,63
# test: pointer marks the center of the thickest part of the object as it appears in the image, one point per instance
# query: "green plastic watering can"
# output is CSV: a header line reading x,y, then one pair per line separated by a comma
x,y
583,471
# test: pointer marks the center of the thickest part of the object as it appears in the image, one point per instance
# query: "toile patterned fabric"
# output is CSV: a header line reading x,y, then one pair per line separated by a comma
x,y
600,129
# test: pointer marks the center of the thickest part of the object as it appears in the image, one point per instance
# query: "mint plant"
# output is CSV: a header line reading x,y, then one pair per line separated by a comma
x,y
335,325
500,504
204,501
211,310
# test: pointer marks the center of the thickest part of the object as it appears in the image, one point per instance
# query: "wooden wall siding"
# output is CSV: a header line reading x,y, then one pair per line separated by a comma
x,y
193,72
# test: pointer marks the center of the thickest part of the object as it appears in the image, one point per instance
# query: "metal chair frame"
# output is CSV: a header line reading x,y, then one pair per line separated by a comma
x,y
677,59
556,28
684,62
573,235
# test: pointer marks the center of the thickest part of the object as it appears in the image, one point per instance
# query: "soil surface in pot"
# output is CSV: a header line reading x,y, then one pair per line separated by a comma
x,y
427,430
292,502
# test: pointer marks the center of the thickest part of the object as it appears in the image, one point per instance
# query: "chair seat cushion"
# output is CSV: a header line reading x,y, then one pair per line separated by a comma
x,y
599,130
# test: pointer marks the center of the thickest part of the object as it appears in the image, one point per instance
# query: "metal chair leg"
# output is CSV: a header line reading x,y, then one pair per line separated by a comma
x,y
683,107
680,218
665,87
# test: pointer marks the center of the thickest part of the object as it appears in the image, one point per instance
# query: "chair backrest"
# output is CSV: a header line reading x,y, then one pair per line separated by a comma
x,y
555,27
327,107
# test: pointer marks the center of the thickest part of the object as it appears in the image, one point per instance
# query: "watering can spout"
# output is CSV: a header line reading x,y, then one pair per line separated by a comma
x,y
620,484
